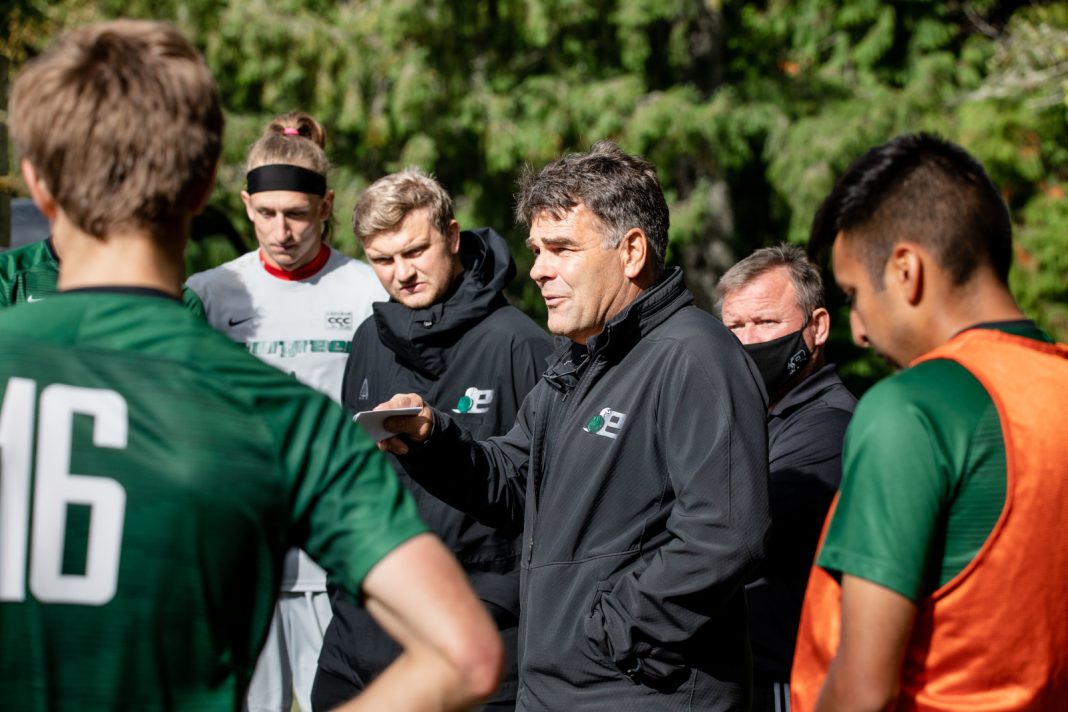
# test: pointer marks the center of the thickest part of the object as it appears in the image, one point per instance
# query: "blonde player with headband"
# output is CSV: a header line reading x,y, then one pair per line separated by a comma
x,y
294,303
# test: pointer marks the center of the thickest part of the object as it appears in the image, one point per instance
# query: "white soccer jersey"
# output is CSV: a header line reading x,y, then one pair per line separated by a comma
x,y
303,327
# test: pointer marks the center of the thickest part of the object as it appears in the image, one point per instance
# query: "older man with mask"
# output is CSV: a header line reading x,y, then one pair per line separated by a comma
x,y
637,466
773,302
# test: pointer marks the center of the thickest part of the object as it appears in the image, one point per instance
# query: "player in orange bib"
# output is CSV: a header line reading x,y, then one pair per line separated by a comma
x,y
941,579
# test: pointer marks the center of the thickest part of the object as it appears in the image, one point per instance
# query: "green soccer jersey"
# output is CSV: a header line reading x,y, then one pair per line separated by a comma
x,y
29,274
923,480
154,475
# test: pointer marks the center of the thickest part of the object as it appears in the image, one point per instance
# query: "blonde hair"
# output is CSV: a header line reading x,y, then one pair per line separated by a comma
x,y
304,145
307,148
122,122
385,204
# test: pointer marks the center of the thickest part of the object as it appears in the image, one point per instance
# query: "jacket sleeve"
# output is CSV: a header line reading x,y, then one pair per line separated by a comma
x,y
711,426
487,479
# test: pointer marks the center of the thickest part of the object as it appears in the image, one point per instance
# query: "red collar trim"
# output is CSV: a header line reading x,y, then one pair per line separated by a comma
x,y
308,270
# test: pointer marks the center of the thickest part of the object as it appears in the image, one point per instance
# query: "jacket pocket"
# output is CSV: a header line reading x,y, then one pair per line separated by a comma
x,y
622,649
593,626
557,649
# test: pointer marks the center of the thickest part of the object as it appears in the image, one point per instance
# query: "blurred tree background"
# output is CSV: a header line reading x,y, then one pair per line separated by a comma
x,y
749,110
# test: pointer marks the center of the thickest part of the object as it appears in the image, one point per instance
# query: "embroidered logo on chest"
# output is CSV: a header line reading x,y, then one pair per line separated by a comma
x,y
474,401
607,423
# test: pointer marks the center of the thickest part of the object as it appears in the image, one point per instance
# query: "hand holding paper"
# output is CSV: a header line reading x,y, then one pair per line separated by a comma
x,y
372,420
411,415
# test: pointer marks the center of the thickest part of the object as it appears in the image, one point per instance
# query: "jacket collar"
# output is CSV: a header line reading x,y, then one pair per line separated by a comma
x,y
649,310
807,389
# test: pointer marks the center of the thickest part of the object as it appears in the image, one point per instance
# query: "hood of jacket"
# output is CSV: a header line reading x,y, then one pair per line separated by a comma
x,y
422,338
650,309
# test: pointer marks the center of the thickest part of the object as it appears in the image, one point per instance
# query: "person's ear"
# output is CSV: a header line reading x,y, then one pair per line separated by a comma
x,y
39,192
821,327
634,253
326,206
452,238
905,271
247,200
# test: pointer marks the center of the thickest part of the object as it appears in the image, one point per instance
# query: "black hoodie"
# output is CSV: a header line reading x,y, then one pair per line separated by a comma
x,y
475,356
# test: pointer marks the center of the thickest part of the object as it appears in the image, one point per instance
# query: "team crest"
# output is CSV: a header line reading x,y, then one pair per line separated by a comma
x,y
607,423
474,401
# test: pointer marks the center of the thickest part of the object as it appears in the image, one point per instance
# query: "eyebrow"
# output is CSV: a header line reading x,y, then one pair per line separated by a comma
x,y
553,241
421,244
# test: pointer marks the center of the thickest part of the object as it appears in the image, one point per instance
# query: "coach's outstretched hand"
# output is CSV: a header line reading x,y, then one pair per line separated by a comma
x,y
414,428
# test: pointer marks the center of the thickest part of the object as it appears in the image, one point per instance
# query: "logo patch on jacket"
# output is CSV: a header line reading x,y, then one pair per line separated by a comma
x,y
474,401
607,423
364,391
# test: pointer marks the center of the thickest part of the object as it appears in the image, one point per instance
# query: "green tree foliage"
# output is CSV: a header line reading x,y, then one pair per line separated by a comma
x,y
749,110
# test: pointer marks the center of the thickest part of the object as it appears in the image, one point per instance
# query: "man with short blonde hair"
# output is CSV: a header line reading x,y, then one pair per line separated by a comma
x,y
385,204
449,334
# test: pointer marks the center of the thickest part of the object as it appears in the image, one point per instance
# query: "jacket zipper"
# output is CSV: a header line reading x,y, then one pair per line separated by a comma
x,y
586,375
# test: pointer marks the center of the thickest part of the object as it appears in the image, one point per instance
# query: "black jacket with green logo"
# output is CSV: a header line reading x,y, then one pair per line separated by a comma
x,y
476,357
638,470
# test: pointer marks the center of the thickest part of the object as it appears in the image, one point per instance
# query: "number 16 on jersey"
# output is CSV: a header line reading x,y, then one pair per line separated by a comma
x,y
54,487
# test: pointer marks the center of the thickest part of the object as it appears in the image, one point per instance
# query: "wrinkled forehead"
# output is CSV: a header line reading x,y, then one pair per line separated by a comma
x,y
577,226
769,294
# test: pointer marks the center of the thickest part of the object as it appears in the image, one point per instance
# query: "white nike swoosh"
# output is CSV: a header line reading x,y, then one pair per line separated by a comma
x,y
32,298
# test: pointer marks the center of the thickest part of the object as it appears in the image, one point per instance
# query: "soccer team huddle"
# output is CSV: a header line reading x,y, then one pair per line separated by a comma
x,y
645,507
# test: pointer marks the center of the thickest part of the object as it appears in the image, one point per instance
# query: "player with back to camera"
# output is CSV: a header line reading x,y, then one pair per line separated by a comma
x,y
154,473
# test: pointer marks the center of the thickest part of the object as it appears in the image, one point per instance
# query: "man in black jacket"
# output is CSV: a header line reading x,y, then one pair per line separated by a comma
x,y
637,466
449,334
773,302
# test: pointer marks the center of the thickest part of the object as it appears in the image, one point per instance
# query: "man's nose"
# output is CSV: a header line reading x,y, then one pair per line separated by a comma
x,y
281,225
860,336
541,270
403,269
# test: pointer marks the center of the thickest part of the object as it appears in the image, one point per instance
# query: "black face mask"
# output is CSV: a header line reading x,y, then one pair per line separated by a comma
x,y
779,360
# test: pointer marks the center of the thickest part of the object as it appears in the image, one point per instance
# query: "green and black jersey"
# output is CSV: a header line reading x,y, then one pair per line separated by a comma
x,y
924,477
154,475
29,273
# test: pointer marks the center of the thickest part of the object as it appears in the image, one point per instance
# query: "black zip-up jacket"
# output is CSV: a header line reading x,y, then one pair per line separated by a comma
x,y
805,433
639,472
475,356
